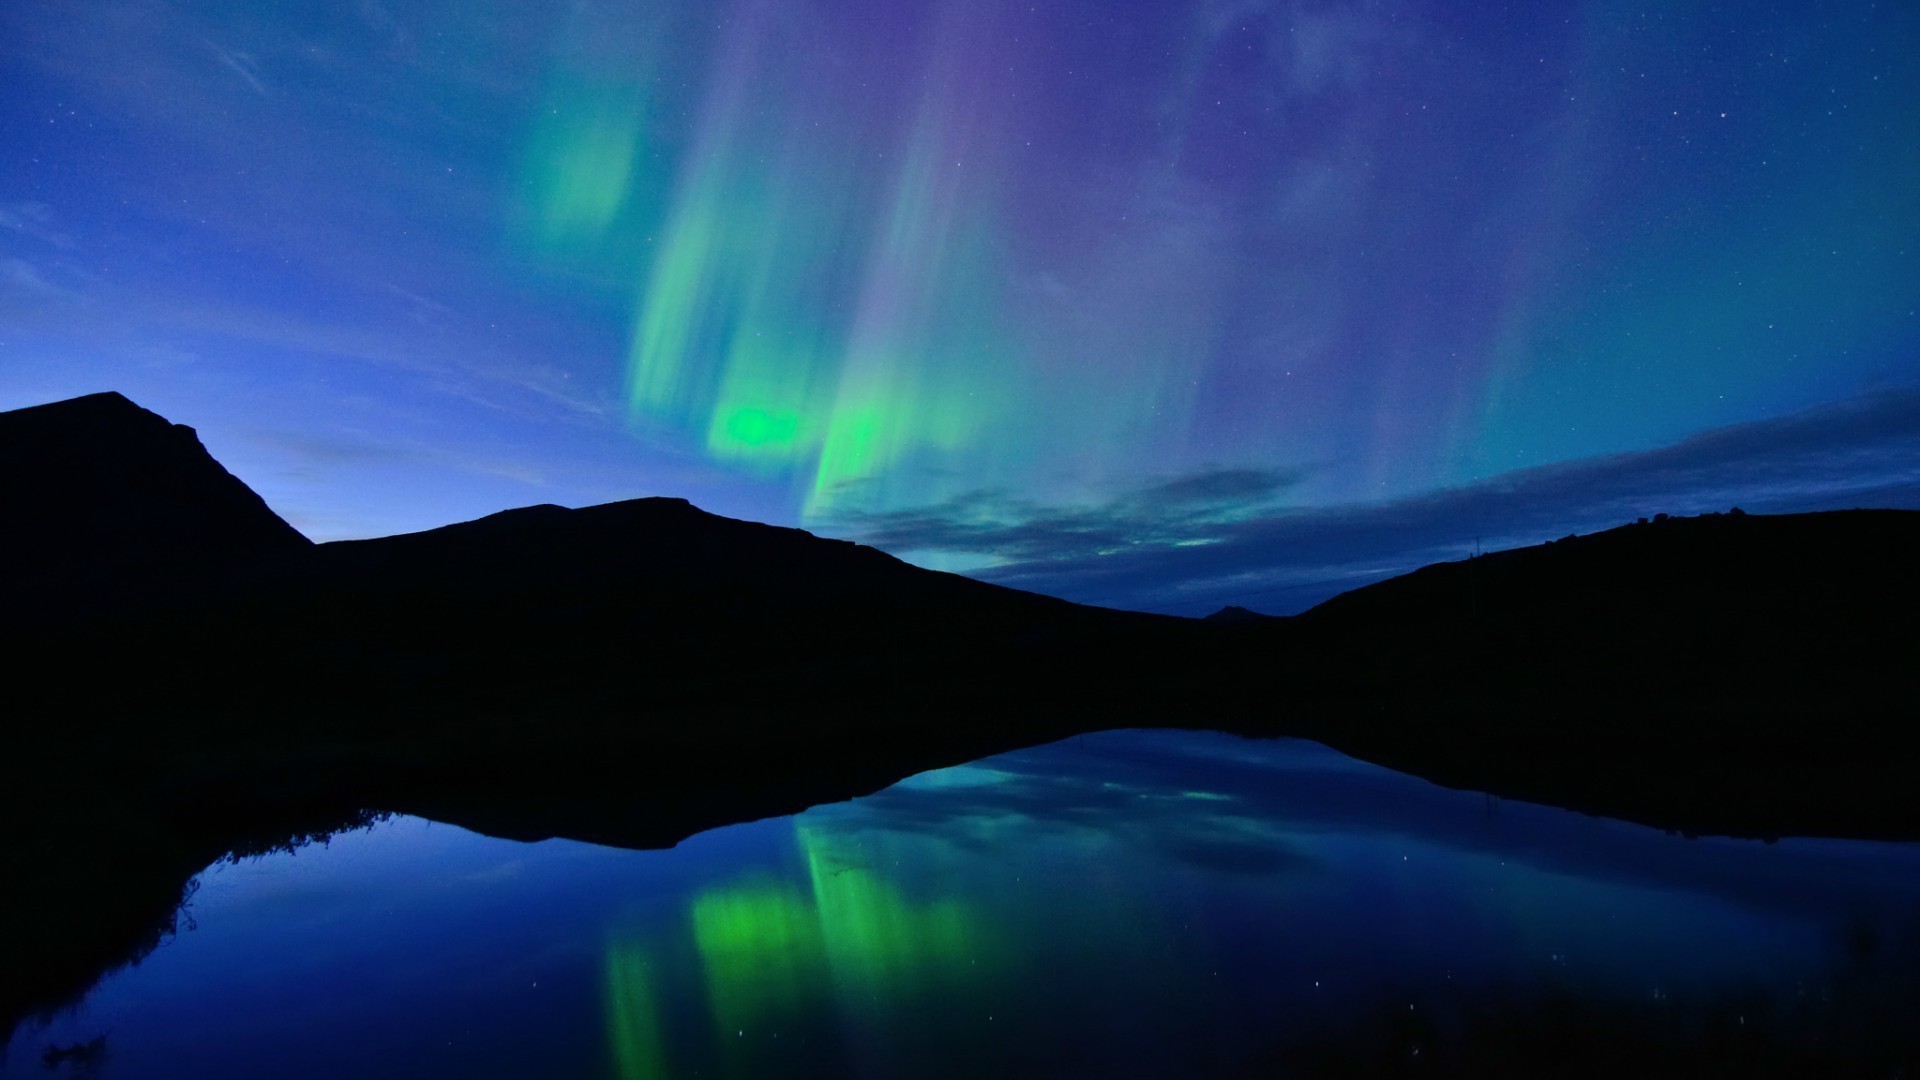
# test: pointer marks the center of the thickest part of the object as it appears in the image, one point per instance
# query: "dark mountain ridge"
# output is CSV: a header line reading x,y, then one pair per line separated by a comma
x,y
188,673
542,632
98,495
1711,614
731,667
1731,673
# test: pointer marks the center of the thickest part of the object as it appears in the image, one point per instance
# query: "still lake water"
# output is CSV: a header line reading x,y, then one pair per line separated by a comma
x,y
1123,904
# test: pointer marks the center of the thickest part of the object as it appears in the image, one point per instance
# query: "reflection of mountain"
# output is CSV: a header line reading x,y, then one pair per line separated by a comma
x,y
634,672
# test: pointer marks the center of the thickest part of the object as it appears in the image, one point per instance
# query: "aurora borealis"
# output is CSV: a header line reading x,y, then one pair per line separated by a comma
x,y
1161,305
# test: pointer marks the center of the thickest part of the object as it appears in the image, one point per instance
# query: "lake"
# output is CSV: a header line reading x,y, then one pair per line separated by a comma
x,y
1135,903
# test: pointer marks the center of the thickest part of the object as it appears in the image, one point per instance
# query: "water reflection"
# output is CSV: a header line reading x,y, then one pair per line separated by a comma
x,y
1129,904
834,966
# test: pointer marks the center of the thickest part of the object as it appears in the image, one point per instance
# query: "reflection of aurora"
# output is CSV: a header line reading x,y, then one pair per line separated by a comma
x,y
1134,904
1126,904
774,958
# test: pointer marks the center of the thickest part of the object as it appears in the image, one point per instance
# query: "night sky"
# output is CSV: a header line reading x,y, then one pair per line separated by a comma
x,y
1156,304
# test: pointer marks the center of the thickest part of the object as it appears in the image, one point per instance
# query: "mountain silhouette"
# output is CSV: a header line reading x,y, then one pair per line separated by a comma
x,y
225,665
191,676
528,644
100,498
1723,673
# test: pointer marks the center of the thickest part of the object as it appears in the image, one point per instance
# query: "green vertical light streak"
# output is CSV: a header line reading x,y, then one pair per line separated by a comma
x,y
794,319
882,949
633,1022
923,365
677,314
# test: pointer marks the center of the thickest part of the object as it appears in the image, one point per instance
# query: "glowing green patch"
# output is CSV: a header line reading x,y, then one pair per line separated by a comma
x,y
760,428
761,949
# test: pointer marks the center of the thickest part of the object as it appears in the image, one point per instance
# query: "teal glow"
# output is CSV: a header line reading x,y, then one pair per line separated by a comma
x,y
584,152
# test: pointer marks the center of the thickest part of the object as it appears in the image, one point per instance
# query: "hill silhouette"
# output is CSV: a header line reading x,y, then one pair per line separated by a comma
x,y
1723,673
191,675
733,669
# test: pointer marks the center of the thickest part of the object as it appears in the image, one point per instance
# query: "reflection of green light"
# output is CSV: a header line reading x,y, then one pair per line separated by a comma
x,y
761,949
633,1016
881,947
767,950
779,958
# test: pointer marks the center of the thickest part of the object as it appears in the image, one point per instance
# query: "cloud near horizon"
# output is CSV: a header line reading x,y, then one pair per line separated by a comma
x,y
1196,543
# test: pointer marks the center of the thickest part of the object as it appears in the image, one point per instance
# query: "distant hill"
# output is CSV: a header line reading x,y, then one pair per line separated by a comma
x,y
1705,616
1728,672
1637,577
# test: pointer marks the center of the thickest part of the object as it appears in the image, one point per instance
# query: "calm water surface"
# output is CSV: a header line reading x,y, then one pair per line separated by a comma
x,y
1127,904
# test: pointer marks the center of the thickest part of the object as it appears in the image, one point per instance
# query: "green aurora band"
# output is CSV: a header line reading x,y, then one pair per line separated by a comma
x,y
866,259
816,287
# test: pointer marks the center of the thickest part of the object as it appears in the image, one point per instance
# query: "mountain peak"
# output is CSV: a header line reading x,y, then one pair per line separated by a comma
x,y
99,399
94,487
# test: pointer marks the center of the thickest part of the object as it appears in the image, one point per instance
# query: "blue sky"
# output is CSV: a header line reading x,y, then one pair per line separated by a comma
x,y
1155,305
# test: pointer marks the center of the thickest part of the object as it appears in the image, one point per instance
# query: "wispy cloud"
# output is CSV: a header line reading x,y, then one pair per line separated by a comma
x,y
241,64
1160,549
1182,510
26,282
34,219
